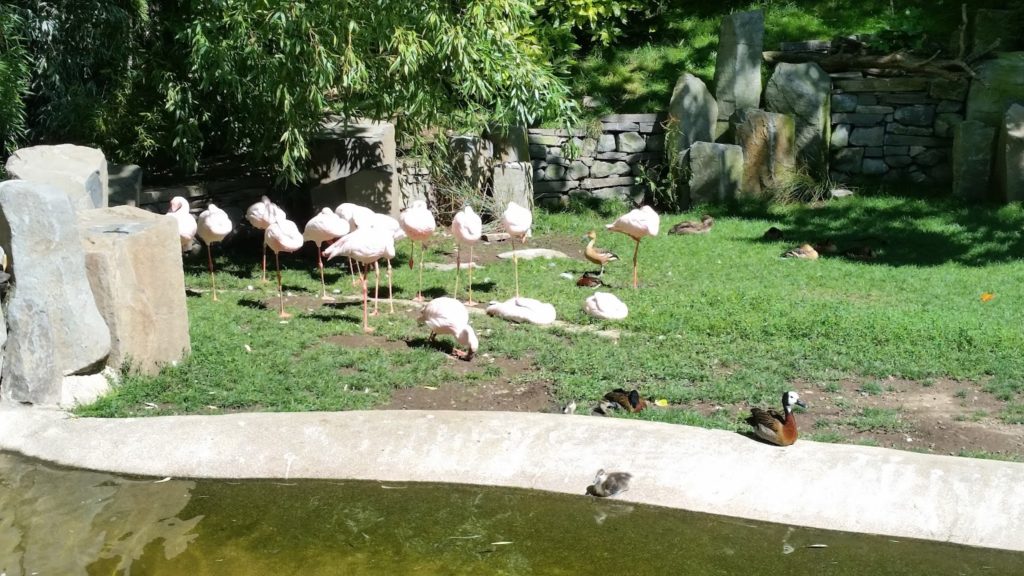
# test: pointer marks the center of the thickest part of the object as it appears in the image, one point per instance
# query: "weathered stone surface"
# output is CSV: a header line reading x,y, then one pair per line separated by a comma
x,y
865,99
949,106
78,171
848,160
915,115
895,128
545,140
931,157
594,183
538,150
647,118
513,182
543,187
1010,155
577,171
376,188
901,98
585,146
897,150
874,166
905,140
973,146
133,262
634,193
948,89
999,82
714,172
945,122
858,119
125,184
768,140
656,143
343,147
898,161
874,152
840,136
738,66
692,114
553,172
471,158
509,143
873,136
802,90
844,102
605,169
606,143
882,84
874,109
630,142
54,326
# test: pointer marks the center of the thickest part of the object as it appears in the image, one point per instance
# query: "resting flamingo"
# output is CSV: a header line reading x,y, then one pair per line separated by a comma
x,y
517,221
366,245
418,224
261,215
467,229
214,224
448,316
186,221
636,224
282,236
326,226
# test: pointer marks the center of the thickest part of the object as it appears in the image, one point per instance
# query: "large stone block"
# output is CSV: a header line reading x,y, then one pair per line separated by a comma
x,y
973,144
692,114
803,91
513,182
343,147
768,140
999,83
509,143
54,326
738,67
1010,155
133,262
471,159
713,172
125,184
78,171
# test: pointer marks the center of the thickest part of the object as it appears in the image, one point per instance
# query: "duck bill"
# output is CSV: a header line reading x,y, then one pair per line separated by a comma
x,y
801,404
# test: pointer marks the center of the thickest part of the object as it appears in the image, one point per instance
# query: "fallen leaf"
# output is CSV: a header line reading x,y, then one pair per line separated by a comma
x,y
987,296
661,402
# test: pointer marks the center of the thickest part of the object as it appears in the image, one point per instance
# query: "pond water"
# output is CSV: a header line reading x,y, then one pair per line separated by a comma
x,y
56,521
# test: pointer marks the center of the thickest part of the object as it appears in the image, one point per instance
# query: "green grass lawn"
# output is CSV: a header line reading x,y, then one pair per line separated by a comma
x,y
719,318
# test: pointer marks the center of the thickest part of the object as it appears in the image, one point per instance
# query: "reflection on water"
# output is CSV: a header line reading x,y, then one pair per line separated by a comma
x,y
68,522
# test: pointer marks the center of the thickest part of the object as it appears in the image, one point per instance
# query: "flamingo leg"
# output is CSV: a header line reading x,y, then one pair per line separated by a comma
x,y
458,268
264,279
419,289
636,252
364,281
280,289
515,265
323,284
391,300
470,302
213,279
352,269
376,288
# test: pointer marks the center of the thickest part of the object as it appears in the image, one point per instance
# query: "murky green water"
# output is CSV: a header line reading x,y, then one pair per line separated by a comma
x,y
67,522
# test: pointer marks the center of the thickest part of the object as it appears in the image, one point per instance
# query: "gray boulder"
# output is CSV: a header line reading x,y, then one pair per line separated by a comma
x,y
1010,155
738,67
513,182
54,326
973,143
125,183
692,114
133,262
803,90
510,143
999,83
768,140
713,172
78,171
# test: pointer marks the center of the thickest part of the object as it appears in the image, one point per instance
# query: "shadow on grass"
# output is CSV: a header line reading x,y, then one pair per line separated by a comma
x,y
899,230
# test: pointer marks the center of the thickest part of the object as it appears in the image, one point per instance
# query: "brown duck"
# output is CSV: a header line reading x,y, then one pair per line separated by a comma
x,y
773,234
804,251
701,226
598,256
630,401
776,428
588,280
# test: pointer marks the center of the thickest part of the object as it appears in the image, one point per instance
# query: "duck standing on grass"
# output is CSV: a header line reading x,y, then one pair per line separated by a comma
x,y
776,428
599,256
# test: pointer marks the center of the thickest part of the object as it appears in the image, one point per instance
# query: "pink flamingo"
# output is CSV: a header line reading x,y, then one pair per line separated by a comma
x,y
365,245
517,221
636,224
261,215
214,225
418,224
282,236
448,316
467,229
386,225
348,212
324,227
186,221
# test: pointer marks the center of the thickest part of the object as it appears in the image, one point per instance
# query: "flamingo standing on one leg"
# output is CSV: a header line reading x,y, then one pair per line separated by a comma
x,y
388,226
418,224
348,212
636,224
467,229
517,221
326,226
366,246
214,224
261,215
282,236
186,221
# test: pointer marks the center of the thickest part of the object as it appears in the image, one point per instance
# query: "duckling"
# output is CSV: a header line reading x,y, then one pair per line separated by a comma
x,y
598,256
609,484
631,400
773,234
777,428
804,251
588,280
826,247
861,252
693,226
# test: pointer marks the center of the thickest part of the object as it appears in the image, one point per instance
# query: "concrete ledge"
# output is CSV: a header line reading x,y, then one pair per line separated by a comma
x,y
841,487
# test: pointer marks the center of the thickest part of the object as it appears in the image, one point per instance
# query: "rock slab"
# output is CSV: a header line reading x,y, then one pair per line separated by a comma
x,y
973,145
738,67
713,172
802,90
768,140
78,171
54,326
692,112
134,267
1010,155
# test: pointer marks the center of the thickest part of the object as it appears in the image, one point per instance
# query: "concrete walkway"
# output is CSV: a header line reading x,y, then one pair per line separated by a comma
x,y
842,487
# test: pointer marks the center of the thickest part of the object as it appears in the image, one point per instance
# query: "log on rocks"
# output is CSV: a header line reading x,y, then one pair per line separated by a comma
x,y
899,62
